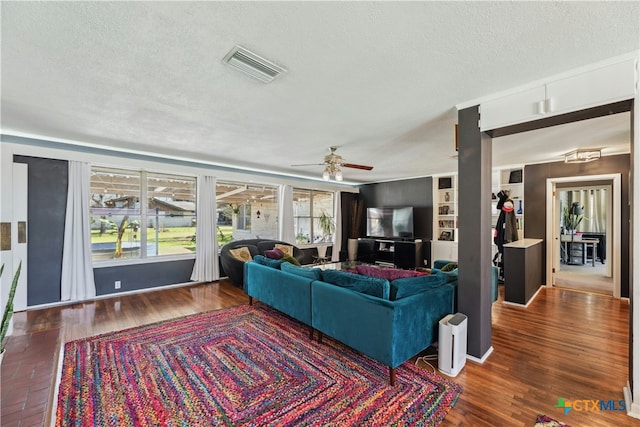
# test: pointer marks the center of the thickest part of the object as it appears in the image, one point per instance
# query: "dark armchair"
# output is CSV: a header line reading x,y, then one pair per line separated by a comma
x,y
234,268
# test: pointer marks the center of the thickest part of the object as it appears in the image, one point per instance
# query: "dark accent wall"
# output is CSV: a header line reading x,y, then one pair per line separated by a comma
x,y
416,192
535,177
142,276
47,204
47,201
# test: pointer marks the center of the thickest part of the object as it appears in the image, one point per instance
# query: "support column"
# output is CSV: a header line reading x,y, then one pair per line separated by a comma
x,y
474,242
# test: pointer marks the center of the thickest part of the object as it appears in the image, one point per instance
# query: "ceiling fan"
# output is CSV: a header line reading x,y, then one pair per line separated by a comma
x,y
333,162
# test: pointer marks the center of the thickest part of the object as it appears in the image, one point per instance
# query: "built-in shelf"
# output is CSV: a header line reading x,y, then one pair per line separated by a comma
x,y
444,245
512,181
446,208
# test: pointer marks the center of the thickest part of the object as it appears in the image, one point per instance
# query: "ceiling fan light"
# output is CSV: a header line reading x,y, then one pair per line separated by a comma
x,y
326,175
338,175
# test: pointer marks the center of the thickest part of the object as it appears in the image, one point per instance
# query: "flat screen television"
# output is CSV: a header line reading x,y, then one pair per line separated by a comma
x,y
390,222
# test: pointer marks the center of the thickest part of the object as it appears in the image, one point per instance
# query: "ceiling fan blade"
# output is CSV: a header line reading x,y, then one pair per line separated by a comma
x,y
355,166
310,164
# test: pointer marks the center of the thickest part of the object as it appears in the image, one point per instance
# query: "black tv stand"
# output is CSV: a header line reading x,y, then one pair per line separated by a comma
x,y
401,252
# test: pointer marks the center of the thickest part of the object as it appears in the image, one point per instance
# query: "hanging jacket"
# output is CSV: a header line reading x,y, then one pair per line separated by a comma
x,y
506,226
510,227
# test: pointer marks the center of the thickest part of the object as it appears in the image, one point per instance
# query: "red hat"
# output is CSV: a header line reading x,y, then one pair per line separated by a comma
x,y
507,206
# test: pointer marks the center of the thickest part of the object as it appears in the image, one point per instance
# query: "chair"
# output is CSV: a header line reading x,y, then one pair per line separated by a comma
x,y
234,268
601,252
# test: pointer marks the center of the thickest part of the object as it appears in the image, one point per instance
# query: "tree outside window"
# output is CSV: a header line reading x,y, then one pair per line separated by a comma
x,y
312,213
140,214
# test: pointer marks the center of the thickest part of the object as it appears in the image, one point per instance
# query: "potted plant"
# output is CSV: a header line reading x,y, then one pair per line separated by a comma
x,y
572,216
8,309
328,227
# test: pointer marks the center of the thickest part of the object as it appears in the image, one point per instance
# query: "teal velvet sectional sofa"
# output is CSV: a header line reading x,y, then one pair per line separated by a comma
x,y
287,292
388,321
495,273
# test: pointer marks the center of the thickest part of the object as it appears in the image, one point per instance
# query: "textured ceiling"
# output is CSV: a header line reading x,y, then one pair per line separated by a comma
x,y
378,79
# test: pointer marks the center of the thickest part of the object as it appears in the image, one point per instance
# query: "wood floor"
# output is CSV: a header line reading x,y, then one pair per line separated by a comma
x,y
565,344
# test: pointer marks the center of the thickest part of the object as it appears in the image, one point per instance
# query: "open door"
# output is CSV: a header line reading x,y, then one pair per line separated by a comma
x,y
566,253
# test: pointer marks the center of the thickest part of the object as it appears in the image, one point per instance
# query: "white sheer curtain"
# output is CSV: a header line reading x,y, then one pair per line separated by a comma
x,y
286,230
337,218
77,271
594,203
206,269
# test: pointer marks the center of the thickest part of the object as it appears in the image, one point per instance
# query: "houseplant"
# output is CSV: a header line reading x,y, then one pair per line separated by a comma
x,y
328,227
572,216
8,309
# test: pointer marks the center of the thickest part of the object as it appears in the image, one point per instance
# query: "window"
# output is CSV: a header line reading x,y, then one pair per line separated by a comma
x,y
246,211
313,216
244,217
139,214
171,217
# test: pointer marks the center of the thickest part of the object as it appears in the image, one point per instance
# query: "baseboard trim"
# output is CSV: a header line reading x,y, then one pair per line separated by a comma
x,y
515,304
483,358
115,295
633,409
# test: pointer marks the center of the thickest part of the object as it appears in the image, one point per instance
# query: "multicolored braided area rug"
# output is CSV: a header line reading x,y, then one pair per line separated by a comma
x,y
244,366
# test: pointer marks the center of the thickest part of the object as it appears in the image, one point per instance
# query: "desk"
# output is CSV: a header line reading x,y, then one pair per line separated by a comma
x,y
574,251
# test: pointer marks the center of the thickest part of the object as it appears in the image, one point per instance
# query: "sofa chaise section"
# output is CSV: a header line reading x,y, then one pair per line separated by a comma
x,y
390,332
286,292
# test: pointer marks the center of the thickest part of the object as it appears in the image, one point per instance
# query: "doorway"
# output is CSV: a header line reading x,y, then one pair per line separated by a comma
x,y
583,231
584,218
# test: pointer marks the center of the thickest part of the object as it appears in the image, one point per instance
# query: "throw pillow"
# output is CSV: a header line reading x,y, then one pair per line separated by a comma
x,y
450,267
448,276
364,284
287,249
289,258
274,253
403,288
241,253
260,259
310,273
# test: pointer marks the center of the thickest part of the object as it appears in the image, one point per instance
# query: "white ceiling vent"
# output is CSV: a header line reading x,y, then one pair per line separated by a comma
x,y
254,65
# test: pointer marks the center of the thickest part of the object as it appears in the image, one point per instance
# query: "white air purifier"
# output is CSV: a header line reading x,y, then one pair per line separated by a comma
x,y
452,344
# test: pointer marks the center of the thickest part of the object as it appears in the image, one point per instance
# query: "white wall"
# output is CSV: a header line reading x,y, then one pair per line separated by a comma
x,y
635,253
